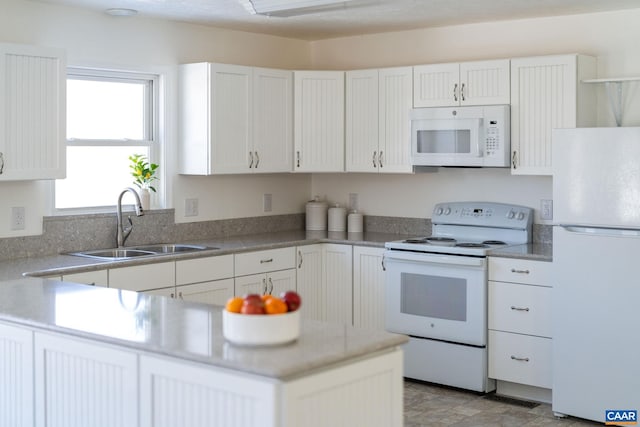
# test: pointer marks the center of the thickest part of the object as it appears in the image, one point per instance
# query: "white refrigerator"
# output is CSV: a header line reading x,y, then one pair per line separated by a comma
x,y
596,271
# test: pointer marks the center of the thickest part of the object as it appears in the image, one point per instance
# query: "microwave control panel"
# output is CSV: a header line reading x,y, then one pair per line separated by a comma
x,y
497,147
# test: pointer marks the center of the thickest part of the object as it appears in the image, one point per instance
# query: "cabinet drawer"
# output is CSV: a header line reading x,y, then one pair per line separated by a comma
x,y
522,309
204,269
264,261
520,271
143,277
520,359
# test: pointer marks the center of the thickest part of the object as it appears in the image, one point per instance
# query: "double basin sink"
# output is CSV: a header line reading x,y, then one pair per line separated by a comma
x,y
141,251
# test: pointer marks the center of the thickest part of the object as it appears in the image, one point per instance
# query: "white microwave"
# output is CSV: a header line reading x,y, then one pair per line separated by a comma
x,y
476,136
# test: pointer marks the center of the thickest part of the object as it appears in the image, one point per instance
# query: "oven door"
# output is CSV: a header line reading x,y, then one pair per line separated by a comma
x,y
436,296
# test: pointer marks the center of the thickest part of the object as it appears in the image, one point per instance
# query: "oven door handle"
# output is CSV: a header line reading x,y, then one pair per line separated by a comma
x,y
417,257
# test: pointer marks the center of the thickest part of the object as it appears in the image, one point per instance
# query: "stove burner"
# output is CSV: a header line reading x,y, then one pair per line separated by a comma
x,y
494,242
423,240
441,241
472,245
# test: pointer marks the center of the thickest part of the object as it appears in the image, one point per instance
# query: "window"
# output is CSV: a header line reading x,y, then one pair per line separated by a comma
x,y
110,116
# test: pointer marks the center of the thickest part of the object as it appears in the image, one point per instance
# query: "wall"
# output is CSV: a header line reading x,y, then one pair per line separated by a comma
x,y
612,37
95,39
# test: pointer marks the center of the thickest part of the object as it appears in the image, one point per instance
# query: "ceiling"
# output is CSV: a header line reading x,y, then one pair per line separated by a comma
x,y
355,17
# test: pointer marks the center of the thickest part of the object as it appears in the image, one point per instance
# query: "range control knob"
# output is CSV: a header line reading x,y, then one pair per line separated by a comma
x,y
447,211
511,214
439,211
520,216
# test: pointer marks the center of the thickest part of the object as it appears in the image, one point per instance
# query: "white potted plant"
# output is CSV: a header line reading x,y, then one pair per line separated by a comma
x,y
144,173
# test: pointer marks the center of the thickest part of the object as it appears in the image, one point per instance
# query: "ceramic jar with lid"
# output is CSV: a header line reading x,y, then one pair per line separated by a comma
x,y
316,215
337,218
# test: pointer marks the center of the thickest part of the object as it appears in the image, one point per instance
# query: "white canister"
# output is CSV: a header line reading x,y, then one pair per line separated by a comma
x,y
337,218
316,215
355,222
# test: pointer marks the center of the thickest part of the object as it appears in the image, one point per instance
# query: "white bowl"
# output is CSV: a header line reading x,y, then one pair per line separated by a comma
x,y
261,329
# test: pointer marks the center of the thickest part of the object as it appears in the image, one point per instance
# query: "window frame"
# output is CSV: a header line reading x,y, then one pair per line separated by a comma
x,y
152,129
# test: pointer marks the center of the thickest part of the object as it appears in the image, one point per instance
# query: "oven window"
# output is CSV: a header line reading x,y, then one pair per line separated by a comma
x,y
434,296
444,141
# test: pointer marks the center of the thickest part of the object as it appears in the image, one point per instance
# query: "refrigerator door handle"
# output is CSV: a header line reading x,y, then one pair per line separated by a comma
x,y
601,231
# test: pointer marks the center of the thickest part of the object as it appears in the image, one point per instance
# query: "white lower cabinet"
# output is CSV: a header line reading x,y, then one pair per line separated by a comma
x,y
272,283
265,272
96,278
206,280
216,292
368,287
325,282
520,327
16,376
78,383
144,277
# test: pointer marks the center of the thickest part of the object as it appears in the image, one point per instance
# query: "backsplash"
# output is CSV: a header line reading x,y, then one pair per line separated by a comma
x,y
84,232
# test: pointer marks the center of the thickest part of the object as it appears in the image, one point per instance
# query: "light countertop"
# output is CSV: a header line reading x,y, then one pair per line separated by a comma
x,y
179,329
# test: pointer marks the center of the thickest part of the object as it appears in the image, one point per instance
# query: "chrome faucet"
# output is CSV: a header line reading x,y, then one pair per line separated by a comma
x,y
123,231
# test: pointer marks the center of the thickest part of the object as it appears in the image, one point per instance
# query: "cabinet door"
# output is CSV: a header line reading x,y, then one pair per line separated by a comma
x,y
16,377
216,292
319,121
253,284
163,292
281,281
96,278
143,277
84,384
204,269
368,288
338,283
362,121
32,113
309,281
485,82
436,85
543,97
394,135
272,121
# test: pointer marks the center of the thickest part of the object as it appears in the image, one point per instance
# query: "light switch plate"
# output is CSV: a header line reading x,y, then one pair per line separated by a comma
x,y
191,207
266,202
546,209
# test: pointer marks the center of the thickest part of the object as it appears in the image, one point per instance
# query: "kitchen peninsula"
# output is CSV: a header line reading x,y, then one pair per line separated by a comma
x,y
73,354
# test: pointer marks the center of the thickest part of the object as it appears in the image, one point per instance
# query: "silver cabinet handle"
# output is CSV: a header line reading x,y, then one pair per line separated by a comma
x,y
172,295
1,162
514,159
519,359
380,158
513,307
251,157
270,286
264,286
513,270
384,267
264,261
299,259
297,158
180,295
462,92
455,92
257,159
374,159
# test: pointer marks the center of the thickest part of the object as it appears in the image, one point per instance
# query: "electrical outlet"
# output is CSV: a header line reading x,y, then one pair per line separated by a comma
x,y
191,207
266,202
353,201
17,218
546,209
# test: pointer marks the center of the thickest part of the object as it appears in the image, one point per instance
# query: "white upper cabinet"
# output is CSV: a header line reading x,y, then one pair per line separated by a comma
x,y
377,120
318,121
272,121
32,113
234,119
546,93
467,83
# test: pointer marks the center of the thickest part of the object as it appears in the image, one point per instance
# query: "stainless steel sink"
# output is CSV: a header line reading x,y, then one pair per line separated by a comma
x,y
141,251
114,254
173,248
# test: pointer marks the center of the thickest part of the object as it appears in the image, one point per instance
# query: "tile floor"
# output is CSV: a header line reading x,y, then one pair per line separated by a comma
x,y
434,406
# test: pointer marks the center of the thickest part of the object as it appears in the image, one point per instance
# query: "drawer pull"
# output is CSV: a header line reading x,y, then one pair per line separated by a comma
x,y
513,307
513,270
264,261
520,359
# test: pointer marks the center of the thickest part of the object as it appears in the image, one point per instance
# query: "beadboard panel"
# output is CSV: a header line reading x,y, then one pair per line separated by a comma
x,y
368,288
16,377
175,394
338,283
367,394
81,384
395,102
362,120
